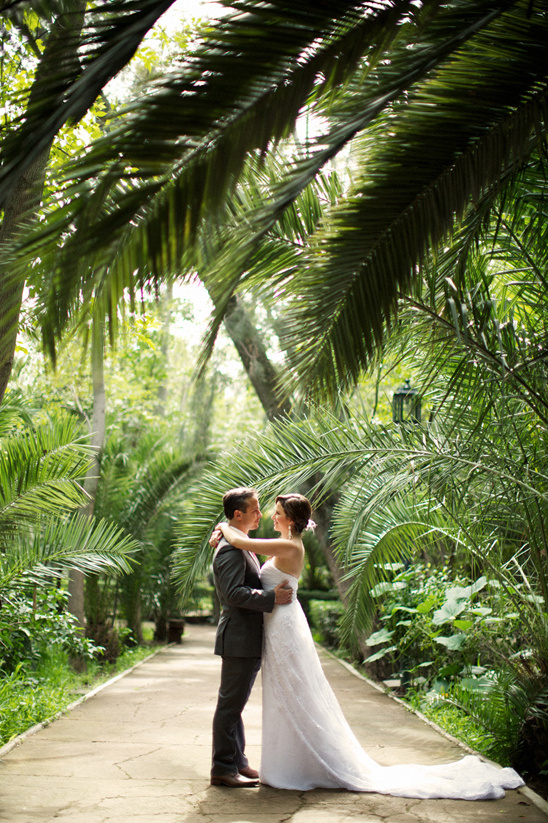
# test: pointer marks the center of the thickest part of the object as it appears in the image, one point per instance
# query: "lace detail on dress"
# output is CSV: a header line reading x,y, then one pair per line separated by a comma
x,y
307,742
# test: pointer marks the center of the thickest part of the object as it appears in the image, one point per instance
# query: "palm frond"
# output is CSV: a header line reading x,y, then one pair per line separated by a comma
x,y
66,542
285,456
41,471
393,533
512,709
190,142
105,43
403,205
139,486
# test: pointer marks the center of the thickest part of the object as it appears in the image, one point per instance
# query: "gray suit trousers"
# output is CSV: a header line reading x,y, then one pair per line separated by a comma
x,y
237,678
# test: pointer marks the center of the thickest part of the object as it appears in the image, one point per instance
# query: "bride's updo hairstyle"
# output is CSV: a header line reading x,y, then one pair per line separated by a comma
x,y
297,508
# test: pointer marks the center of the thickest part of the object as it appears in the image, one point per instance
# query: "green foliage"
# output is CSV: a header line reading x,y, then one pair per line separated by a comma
x,y
149,374
306,596
43,533
459,724
435,629
37,638
104,44
42,467
201,602
325,618
461,644
23,703
141,490
32,624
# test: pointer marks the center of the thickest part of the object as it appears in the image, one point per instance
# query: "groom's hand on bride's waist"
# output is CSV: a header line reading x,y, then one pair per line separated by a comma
x,y
284,594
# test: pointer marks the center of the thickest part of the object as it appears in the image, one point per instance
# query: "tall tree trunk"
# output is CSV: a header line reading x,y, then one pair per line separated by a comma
x,y
165,309
98,418
97,439
253,354
263,376
61,48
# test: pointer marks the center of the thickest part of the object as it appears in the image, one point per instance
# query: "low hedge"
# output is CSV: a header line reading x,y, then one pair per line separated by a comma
x,y
307,595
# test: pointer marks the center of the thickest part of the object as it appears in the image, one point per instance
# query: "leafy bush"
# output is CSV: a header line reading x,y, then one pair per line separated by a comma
x,y
437,630
462,644
34,622
306,596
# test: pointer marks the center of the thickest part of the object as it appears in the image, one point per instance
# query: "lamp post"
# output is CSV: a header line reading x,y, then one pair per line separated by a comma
x,y
406,404
406,408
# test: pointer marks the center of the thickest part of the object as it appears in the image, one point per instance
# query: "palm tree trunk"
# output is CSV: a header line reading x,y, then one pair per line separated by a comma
x,y
165,308
98,419
253,354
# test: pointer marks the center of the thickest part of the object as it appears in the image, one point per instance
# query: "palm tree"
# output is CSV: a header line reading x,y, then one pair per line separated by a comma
x,y
41,472
140,491
441,103
85,45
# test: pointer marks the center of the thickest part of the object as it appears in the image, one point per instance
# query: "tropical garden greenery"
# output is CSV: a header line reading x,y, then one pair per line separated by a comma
x,y
360,187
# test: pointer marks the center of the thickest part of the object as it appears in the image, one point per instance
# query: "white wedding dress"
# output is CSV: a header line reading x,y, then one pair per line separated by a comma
x,y
307,742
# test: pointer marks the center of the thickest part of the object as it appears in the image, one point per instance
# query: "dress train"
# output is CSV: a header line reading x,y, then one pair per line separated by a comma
x,y
307,742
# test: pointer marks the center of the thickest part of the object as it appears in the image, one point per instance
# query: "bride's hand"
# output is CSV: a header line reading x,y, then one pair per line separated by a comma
x,y
216,535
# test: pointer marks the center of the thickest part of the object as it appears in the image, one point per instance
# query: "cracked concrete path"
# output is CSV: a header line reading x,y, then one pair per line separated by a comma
x,y
139,750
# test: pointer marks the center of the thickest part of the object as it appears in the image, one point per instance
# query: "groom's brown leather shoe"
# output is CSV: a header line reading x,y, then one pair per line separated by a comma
x,y
233,781
247,771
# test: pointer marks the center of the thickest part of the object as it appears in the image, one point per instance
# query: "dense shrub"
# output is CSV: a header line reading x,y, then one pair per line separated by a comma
x,y
462,643
436,629
37,637
307,595
33,622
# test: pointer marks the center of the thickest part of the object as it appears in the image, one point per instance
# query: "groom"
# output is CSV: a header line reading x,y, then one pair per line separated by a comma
x,y
239,639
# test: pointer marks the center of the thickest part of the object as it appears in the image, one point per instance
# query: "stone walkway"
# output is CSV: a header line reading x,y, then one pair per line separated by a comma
x,y
139,750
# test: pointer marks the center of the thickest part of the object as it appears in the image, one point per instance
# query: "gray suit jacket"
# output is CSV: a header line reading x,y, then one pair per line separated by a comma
x,y
243,601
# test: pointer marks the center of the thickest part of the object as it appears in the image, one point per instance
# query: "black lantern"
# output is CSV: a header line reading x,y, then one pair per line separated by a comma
x,y
406,405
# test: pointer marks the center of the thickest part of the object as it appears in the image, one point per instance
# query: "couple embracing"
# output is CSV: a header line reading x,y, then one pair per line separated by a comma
x,y
306,740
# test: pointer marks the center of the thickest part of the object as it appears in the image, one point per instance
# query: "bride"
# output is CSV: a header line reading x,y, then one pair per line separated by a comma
x,y
307,742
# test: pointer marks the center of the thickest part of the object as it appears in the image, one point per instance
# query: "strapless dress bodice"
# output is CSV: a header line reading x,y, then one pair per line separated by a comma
x,y
271,576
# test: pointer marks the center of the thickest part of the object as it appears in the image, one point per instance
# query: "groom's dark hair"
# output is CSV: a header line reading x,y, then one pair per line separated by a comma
x,y
236,499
